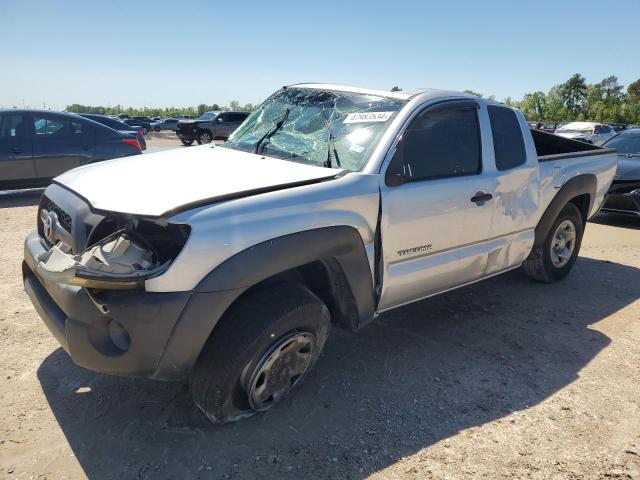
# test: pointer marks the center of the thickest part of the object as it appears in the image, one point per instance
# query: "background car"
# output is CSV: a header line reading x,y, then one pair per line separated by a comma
x,y
624,194
144,123
166,124
119,126
37,145
589,132
210,126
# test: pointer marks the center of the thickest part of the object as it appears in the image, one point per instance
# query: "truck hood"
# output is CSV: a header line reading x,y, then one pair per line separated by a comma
x,y
161,183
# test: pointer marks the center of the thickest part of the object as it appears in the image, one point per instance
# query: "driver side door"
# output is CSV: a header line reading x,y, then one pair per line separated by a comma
x,y
436,205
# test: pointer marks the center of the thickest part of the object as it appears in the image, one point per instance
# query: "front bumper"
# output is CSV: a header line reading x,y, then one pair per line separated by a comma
x,y
620,200
117,332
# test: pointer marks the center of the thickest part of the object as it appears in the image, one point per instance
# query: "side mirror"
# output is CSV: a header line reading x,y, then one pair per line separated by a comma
x,y
219,120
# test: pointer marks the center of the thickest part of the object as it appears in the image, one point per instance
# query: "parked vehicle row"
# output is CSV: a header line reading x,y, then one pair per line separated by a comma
x,y
119,126
36,145
209,126
228,265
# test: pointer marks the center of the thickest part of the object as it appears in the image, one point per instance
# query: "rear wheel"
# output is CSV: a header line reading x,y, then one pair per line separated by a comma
x,y
260,352
204,137
554,258
145,130
186,143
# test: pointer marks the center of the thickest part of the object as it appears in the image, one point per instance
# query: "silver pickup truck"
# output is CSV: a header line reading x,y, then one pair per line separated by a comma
x,y
226,265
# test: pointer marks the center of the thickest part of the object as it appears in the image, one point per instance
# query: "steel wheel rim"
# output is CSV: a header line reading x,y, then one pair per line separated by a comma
x,y
205,138
280,369
563,243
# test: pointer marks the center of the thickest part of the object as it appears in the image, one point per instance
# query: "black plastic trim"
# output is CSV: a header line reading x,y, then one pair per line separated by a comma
x,y
580,185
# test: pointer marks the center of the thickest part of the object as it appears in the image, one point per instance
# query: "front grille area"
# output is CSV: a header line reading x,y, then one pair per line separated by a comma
x,y
624,186
63,217
623,202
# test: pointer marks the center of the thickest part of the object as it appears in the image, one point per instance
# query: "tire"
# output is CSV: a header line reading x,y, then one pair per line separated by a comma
x,y
145,130
546,266
156,129
186,143
238,367
204,137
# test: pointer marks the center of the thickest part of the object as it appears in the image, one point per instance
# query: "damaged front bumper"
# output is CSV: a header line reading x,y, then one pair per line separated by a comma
x,y
110,331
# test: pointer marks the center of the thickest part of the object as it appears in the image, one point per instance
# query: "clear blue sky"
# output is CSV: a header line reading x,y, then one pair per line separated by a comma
x,y
185,52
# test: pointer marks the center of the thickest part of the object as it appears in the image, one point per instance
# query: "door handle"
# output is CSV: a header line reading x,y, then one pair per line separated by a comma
x,y
481,197
16,150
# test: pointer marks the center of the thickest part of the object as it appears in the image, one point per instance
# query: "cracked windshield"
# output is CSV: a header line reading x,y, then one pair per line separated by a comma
x,y
317,127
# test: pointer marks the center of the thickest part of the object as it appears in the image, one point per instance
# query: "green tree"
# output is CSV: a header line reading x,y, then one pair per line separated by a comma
x,y
573,93
396,89
471,92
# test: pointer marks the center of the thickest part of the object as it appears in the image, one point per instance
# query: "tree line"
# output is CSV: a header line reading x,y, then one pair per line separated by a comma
x,y
159,112
577,100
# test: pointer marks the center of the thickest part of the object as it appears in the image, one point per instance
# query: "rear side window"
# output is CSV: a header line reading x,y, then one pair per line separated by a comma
x,y
508,144
11,127
51,127
442,144
238,117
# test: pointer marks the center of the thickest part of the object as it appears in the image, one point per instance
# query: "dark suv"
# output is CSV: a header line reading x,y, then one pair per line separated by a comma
x,y
209,126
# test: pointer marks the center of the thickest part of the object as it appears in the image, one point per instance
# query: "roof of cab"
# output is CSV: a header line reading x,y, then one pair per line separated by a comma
x,y
401,95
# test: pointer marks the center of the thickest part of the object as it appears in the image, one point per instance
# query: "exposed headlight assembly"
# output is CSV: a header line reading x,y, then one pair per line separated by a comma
x,y
123,259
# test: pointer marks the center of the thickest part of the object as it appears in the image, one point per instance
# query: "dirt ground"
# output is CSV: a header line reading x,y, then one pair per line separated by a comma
x,y
504,379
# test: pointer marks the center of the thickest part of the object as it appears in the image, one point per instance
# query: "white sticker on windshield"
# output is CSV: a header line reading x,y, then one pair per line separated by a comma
x,y
363,117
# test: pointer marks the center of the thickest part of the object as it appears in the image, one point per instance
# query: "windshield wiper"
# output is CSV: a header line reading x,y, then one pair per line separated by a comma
x,y
331,146
271,133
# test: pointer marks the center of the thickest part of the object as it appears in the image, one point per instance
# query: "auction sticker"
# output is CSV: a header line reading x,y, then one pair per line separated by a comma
x,y
364,117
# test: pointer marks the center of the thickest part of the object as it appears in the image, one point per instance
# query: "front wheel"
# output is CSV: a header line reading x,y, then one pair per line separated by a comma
x,y
554,258
157,129
260,352
186,143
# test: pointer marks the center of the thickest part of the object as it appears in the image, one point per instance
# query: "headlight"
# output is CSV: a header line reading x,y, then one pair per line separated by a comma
x,y
122,259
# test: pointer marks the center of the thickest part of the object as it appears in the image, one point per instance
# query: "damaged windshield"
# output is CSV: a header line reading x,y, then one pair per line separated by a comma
x,y
317,127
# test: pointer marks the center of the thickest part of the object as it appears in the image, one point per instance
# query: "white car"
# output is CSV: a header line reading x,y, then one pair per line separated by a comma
x,y
228,264
590,132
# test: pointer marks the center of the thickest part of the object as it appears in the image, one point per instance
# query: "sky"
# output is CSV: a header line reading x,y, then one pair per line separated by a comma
x,y
184,53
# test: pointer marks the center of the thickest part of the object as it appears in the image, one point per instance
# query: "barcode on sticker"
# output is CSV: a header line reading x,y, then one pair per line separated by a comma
x,y
368,117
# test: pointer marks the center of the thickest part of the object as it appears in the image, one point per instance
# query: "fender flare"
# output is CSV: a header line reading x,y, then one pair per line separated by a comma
x,y
579,185
255,264
224,284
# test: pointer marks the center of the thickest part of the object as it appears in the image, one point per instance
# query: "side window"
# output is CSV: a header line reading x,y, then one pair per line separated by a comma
x,y
79,128
12,127
508,144
598,129
51,127
441,144
223,117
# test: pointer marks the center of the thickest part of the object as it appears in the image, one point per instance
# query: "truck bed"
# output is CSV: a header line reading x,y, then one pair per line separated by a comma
x,y
552,147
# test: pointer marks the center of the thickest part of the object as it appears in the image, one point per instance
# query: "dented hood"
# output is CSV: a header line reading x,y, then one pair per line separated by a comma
x,y
159,183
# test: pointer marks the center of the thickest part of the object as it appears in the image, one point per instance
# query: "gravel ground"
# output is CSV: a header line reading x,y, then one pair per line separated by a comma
x,y
504,379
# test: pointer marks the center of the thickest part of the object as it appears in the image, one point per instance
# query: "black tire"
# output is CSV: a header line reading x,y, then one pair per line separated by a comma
x,y
156,129
186,143
240,346
204,137
145,130
539,265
